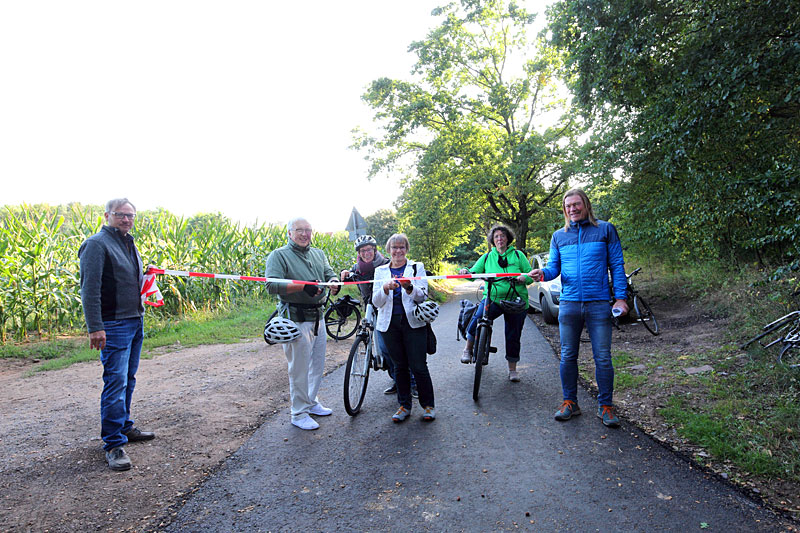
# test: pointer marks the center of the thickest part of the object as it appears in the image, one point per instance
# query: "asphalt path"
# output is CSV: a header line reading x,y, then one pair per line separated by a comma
x,y
502,463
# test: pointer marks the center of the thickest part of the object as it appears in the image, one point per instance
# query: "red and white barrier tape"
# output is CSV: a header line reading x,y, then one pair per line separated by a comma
x,y
149,288
185,273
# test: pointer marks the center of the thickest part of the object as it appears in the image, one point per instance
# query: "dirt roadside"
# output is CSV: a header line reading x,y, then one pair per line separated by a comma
x,y
204,402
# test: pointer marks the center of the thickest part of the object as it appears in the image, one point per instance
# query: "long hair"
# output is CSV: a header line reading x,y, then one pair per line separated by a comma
x,y
586,203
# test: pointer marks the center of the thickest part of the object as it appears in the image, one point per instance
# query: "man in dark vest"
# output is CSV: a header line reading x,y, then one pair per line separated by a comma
x,y
111,281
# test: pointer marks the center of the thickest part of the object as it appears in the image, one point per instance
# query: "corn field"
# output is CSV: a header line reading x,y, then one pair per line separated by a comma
x,y
39,270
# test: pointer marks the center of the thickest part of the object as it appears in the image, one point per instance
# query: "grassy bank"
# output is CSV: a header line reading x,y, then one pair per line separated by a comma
x,y
745,413
245,321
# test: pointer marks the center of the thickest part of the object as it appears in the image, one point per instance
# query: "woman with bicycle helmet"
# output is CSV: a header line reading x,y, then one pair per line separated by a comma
x,y
405,334
509,294
367,260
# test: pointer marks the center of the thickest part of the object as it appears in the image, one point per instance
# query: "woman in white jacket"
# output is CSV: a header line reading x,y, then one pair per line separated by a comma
x,y
405,335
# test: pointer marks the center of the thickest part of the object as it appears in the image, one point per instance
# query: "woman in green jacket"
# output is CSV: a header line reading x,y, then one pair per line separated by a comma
x,y
502,257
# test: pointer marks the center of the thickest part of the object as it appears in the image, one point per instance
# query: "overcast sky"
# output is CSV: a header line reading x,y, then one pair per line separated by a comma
x,y
241,107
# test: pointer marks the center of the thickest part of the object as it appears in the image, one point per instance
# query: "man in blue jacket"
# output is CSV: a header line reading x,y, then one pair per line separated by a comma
x,y
111,281
583,252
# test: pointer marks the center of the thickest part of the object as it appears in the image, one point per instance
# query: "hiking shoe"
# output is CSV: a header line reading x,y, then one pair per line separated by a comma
x,y
400,415
430,414
567,410
305,422
320,410
392,389
118,460
609,415
414,392
466,357
137,435
513,376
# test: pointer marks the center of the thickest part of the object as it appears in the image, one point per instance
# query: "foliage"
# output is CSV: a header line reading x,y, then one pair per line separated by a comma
x,y
481,123
434,220
39,272
697,103
382,224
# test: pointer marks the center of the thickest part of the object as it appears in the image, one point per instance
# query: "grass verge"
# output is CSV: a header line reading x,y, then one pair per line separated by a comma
x,y
243,322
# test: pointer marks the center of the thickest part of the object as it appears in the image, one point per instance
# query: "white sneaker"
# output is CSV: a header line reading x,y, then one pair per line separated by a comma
x,y
513,376
305,422
320,410
466,357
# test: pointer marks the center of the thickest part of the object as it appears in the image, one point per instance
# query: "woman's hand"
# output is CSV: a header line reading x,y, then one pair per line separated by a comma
x,y
389,286
464,271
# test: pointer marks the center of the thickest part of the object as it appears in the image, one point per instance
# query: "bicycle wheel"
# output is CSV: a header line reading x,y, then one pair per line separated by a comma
x,y
645,315
356,375
482,340
341,321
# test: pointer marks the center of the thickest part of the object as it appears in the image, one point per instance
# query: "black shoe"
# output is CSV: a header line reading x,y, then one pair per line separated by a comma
x,y
118,460
414,393
392,389
137,435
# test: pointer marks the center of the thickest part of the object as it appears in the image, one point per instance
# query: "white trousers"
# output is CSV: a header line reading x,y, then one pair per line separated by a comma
x,y
306,358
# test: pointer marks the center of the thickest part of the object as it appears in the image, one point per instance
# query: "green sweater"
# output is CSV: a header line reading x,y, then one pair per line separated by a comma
x,y
502,288
303,264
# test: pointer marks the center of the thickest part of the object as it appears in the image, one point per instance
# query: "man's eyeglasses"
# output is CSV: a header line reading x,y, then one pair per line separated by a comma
x,y
303,230
129,216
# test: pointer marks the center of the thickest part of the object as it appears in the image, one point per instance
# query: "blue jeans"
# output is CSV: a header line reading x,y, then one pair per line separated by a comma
x,y
514,323
407,350
120,359
597,317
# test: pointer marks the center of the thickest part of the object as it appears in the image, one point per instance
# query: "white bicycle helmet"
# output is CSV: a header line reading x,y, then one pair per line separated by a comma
x,y
365,240
427,311
280,330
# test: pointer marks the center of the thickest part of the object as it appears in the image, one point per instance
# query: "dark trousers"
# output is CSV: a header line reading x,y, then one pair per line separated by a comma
x,y
406,347
514,323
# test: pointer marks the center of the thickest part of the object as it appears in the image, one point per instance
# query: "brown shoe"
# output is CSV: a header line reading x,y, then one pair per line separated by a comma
x,y
137,435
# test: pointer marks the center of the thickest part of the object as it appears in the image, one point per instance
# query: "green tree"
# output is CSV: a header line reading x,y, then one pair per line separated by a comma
x,y
697,102
482,118
382,224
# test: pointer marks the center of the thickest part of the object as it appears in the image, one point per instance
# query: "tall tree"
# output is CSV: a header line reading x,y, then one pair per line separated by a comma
x,y
698,102
482,118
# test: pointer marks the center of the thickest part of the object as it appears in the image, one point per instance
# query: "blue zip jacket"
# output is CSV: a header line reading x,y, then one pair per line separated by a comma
x,y
583,256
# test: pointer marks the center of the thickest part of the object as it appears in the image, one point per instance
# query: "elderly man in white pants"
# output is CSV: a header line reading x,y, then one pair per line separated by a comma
x,y
302,303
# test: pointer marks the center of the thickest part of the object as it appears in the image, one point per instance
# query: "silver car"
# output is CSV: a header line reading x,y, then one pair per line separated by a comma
x,y
544,296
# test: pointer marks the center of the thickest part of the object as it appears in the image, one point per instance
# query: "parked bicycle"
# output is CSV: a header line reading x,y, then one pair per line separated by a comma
x,y
639,306
787,331
342,316
364,355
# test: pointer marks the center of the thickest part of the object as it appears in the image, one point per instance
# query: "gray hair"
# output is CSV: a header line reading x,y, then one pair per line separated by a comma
x,y
116,202
290,226
398,238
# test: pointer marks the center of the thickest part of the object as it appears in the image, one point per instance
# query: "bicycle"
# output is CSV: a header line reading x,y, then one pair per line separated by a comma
x,y
482,345
364,355
788,330
643,312
342,317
